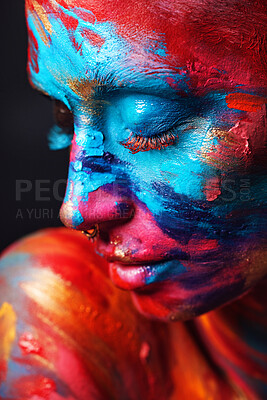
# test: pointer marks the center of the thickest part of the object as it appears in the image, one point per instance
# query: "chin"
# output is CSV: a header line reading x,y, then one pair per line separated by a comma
x,y
184,289
170,301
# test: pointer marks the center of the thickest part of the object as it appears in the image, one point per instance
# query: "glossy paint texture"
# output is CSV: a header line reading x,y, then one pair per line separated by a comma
x,y
236,338
67,333
169,148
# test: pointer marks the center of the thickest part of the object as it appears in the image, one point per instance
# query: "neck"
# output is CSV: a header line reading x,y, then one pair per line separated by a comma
x,y
235,338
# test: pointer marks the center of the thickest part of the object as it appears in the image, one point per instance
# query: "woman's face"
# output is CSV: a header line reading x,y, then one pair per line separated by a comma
x,y
167,155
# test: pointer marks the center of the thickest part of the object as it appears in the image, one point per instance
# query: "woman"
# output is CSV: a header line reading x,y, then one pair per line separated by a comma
x,y
164,105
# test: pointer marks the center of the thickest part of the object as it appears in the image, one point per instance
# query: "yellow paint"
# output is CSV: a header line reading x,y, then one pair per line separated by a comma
x,y
7,330
222,154
42,22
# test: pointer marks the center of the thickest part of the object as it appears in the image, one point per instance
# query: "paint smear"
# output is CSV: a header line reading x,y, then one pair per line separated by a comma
x,y
245,102
35,386
7,329
212,189
7,336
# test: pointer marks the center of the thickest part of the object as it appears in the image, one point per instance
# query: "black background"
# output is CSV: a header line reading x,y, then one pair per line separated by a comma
x,y
26,117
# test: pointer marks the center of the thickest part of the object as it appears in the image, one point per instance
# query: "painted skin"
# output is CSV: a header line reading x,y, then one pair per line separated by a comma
x,y
179,202
168,148
62,338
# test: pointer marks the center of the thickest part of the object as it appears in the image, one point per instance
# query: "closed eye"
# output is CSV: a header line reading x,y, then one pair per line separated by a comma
x,y
136,143
152,123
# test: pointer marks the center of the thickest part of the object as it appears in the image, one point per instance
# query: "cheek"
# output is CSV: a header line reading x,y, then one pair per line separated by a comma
x,y
204,287
190,296
241,146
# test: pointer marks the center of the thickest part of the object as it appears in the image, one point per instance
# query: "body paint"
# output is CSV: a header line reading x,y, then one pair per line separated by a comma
x,y
66,338
62,337
185,201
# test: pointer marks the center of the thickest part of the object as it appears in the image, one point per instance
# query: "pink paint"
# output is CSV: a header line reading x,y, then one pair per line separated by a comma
x,y
144,352
76,377
126,276
212,188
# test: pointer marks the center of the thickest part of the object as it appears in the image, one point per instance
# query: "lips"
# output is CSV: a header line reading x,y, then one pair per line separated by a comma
x,y
132,268
136,276
134,252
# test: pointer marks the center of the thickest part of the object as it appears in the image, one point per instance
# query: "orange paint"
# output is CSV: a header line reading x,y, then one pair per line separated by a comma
x,y
7,330
7,336
85,335
245,102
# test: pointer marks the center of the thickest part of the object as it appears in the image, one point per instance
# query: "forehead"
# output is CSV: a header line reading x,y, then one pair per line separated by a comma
x,y
183,31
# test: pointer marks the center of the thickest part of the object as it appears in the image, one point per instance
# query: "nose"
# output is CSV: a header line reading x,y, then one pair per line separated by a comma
x,y
101,206
97,191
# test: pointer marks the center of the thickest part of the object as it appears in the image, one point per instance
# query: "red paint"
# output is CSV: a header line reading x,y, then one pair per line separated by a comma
x,y
70,22
29,345
194,34
3,370
35,385
90,345
224,332
202,245
144,352
33,51
212,188
93,38
245,102
106,347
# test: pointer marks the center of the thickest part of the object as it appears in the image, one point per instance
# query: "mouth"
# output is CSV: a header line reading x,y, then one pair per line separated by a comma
x,y
137,276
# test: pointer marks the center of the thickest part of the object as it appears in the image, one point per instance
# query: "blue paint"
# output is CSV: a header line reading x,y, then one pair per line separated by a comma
x,y
15,370
163,271
78,166
115,93
14,259
59,138
89,139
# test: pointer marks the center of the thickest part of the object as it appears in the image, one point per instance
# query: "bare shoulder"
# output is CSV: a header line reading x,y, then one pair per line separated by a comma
x,y
67,332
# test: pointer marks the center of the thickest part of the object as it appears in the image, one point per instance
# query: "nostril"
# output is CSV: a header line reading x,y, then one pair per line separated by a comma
x,y
104,235
105,228
105,206
124,211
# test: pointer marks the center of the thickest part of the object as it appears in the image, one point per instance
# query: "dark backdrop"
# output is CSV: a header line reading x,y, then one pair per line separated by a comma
x,y
26,161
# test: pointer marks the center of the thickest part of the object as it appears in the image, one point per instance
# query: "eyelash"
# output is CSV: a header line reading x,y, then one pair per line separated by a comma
x,y
136,143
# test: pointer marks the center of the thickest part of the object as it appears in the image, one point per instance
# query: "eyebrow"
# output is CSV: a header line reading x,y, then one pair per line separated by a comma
x,y
99,86
194,83
172,82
